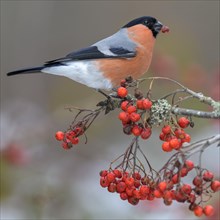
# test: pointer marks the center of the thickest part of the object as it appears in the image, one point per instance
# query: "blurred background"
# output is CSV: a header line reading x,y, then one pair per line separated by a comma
x,y
40,180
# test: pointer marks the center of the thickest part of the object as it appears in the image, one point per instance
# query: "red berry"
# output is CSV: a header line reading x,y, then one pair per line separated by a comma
x,y
197,181
136,176
179,133
166,147
198,211
123,83
167,201
125,176
208,210
180,197
139,104
136,194
168,137
59,135
129,182
134,117
137,183
129,191
192,198
165,29
74,140
146,133
104,182
187,138
175,178
131,109
124,117
66,145
183,172
157,193
120,187
70,134
174,144
124,105
110,177
183,122
208,176
123,196
78,131
215,185
136,130
189,165
145,180
186,189
146,104
162,186
133,201
103,173
112,187
162,136
117,173
150,196
166,129
122,92
168,195
144,190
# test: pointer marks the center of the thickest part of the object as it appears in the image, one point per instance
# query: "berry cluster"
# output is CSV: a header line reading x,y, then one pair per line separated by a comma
x,y
204,184
132,175
70,137
130,187
198,192
174,136
80,124
133,187
133,113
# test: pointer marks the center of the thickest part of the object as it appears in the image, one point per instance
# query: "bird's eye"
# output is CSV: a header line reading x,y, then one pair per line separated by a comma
x,y
148,23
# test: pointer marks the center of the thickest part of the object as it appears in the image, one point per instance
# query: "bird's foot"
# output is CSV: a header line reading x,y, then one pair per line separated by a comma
x,y
110,103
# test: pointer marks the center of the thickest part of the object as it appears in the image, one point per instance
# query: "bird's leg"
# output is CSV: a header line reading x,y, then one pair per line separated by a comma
x,y
109,103
106,95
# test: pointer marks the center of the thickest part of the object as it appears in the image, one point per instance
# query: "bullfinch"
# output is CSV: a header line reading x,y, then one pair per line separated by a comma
x,y
104,64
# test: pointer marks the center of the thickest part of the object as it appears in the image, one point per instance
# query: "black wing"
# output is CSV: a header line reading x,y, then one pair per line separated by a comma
x,y
92,52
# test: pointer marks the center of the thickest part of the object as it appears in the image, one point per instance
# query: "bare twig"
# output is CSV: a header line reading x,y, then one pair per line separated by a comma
x,y
205,143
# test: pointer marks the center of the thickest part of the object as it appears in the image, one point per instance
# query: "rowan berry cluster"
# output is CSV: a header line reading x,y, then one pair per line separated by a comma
x,y
134,186
80,124
196,193
135,117
174,136
134,112
130,187
70,137
131,114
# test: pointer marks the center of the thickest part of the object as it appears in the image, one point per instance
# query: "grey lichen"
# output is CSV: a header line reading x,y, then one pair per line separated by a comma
x,y
160,111
216,107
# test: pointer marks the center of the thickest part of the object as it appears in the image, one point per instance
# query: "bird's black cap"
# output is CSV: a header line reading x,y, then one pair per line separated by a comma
x,y
152,23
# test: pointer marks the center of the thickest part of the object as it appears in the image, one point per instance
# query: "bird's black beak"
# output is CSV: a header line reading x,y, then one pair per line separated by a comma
x,y
157,26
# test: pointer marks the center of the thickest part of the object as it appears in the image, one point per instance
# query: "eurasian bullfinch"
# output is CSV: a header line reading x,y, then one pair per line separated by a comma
x,y
104,64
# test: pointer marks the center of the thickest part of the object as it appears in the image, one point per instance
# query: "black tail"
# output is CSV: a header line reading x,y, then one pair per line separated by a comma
x,y
27,70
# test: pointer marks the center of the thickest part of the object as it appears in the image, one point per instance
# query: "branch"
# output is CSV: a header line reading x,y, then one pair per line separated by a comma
x,y
198,95
195,147
195,113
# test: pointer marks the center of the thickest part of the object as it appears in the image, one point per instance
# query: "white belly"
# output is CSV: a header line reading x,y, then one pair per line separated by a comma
x,y
84,72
